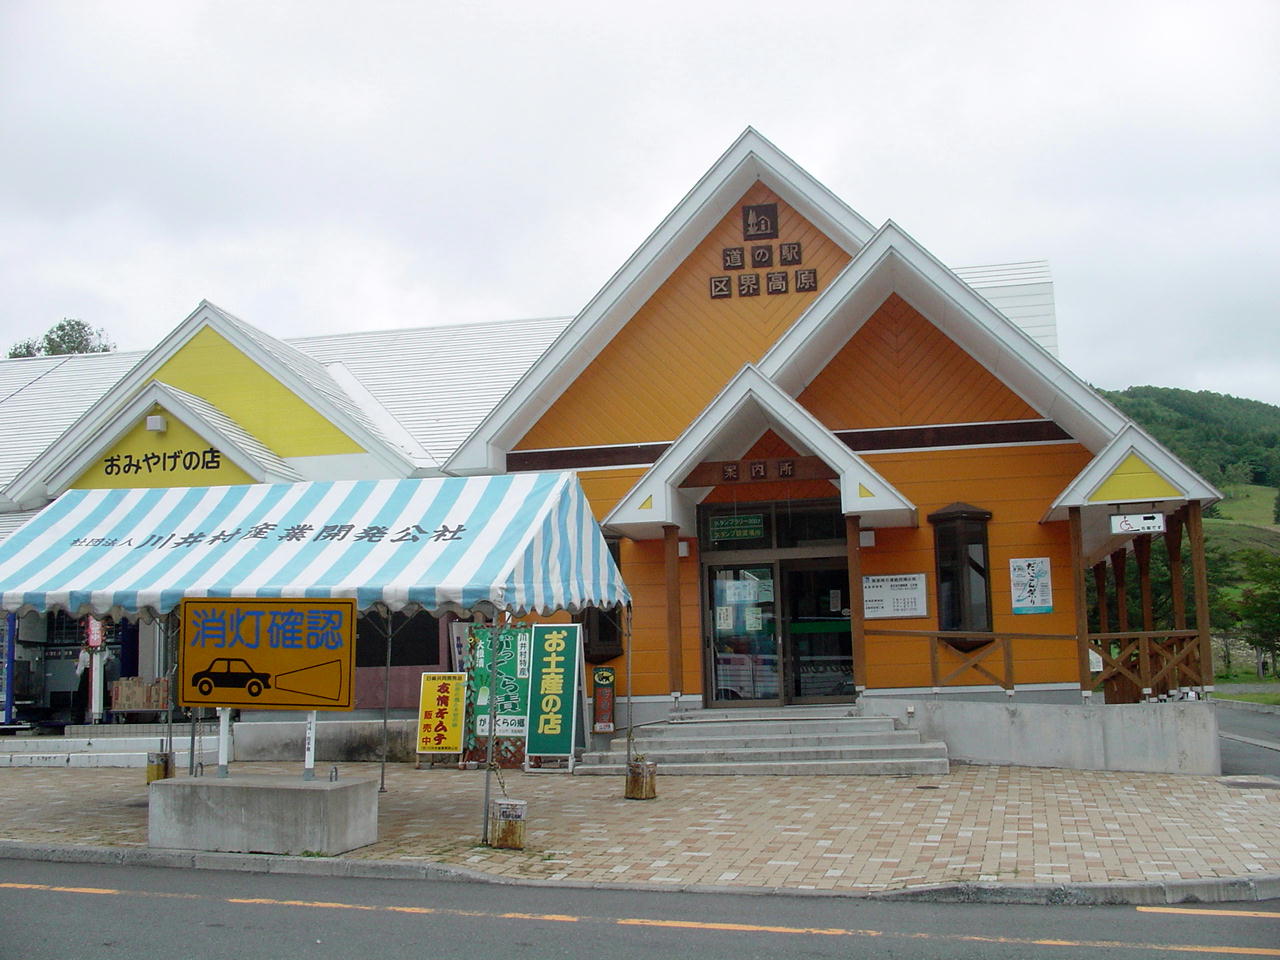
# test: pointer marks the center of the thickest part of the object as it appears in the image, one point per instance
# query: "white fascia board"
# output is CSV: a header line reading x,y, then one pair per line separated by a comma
x,y
747,406
157,393
1006,350
1132,439
750,158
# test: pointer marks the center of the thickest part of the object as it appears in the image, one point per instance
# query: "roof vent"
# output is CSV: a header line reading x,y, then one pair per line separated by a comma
x,y
157,424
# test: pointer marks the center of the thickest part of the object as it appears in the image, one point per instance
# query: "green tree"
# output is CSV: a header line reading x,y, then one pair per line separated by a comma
x,y
67,336
1275,514
1260,602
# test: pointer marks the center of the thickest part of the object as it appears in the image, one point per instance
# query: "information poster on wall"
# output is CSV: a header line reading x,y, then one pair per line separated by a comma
x,y
1031,585
898,595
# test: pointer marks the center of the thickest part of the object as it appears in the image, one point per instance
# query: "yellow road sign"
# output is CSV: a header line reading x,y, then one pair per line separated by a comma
x,y
267,654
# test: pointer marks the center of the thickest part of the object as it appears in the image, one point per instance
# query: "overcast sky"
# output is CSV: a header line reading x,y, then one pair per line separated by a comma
x,y
324,167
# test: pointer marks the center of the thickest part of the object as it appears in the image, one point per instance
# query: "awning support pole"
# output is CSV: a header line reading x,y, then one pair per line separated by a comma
x,y
224,741
491,660
386,704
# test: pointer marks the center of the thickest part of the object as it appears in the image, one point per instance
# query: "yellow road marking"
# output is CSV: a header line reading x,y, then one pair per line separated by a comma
x,y
1201,912
711,927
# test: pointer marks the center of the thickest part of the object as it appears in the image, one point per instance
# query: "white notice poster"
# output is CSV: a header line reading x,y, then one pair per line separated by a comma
x,y
1031,585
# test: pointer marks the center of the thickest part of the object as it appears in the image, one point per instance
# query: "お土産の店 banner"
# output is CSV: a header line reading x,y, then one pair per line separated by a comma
x,y
553,699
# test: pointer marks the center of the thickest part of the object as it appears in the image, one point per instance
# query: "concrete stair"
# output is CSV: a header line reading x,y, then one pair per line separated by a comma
x,y
106,745
792,742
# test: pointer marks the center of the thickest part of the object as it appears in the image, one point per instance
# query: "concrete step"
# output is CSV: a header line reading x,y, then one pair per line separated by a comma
x,y
753,724
747,741
810,752
116,759
911,767
53,745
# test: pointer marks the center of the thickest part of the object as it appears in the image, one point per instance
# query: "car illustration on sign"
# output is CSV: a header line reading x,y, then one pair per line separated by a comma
x,y
230,672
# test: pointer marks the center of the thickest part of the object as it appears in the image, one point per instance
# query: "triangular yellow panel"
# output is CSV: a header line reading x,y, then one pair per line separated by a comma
x,y
648,503
212,368
177,457
1134,479
864,492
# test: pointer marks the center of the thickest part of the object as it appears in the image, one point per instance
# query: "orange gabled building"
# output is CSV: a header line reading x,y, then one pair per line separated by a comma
x,y
830,465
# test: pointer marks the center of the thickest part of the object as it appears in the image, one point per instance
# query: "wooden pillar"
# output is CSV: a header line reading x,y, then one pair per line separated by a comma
x,y
1119,575
671,563
1195,532
1177,586
1100,588
1177,583
857,624
1081,600
1142,553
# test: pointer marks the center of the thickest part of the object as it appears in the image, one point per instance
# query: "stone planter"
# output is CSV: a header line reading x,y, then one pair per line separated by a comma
x,y
642,778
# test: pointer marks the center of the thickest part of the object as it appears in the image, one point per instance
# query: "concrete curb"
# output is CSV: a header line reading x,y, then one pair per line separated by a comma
x,y
1136,893
1247,705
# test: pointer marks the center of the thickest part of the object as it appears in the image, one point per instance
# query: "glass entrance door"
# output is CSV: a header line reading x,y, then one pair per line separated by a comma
x,y
815,629
744,636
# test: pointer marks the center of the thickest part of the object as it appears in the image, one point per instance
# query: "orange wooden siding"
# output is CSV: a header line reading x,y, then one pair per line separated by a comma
x,y
1015,484
679,349
900,370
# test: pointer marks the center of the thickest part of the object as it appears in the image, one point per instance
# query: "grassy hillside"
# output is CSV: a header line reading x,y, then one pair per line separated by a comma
x,y
1228,440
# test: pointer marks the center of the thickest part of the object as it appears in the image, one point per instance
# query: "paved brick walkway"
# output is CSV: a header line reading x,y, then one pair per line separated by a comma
x,y
855,834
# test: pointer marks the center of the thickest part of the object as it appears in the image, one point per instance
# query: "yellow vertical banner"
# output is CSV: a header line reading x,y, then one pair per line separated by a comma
x,y
441,708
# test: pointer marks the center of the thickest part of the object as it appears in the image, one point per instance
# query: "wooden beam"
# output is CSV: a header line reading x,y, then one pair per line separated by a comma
x,y
1081,600
857,623
1195,532
671,563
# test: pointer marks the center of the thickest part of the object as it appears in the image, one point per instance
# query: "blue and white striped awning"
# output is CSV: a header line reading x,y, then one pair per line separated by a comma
x,y
518,542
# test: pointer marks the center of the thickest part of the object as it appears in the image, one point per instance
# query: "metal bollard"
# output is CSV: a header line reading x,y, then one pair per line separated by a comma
x,y
506,824
159,765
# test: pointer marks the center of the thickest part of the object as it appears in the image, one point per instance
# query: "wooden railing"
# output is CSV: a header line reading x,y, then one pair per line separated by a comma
x,y
1137,665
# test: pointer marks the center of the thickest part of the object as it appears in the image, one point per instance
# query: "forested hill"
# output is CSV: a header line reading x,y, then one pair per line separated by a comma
x,y
1226,439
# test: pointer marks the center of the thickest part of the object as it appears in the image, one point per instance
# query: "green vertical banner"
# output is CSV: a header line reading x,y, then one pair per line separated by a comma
x,y
510,681
553,700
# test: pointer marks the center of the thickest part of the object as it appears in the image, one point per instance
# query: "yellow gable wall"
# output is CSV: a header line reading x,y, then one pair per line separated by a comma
x,y
212,368
900,370
681,347
179,457
1134,479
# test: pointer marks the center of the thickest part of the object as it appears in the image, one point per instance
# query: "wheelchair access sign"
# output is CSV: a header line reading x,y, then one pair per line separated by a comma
x,y
267,654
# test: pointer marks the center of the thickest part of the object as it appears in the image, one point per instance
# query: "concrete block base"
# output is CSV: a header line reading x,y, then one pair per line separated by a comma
x,y
257,813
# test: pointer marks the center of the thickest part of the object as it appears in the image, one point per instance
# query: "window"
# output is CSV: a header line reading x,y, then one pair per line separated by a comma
x,y
964,572
415,640
602,628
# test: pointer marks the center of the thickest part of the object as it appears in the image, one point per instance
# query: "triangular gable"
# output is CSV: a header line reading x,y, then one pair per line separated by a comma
x,y
750,159
252,461
298,374
893,262
747,407
679,350
900,370
1133,468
